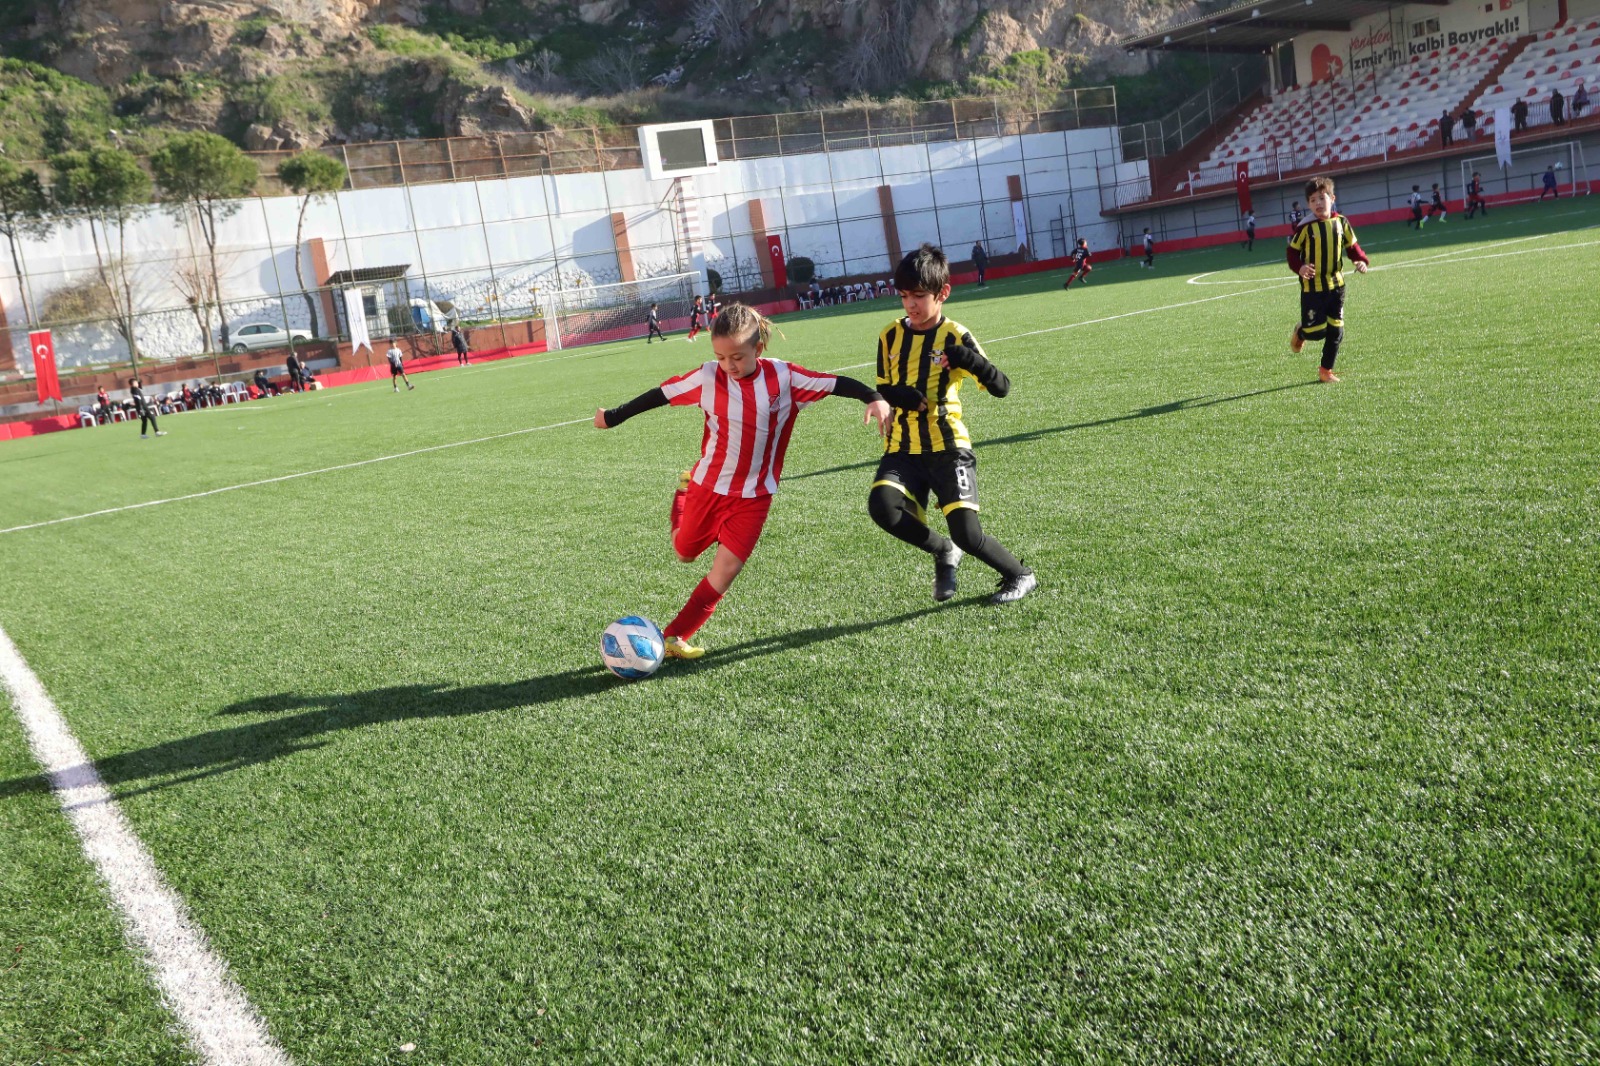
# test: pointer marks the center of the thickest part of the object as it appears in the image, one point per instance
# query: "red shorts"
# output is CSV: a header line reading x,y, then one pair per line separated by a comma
x,y
709,518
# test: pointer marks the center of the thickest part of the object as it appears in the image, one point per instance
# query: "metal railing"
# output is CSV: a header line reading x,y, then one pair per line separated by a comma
x,y
504,155
1165,135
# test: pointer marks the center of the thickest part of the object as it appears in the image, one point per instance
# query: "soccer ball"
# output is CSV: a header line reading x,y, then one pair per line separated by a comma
x,y
632,647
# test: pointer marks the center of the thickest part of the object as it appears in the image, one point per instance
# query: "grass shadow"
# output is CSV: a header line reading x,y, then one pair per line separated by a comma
x,y
295,722
1193,403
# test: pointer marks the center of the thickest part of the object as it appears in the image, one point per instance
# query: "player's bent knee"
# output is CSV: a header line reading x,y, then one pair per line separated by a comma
x,y
885,504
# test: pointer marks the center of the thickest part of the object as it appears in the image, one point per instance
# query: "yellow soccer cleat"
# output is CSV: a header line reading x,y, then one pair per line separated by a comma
x,y
678,648
1296,342
1326,376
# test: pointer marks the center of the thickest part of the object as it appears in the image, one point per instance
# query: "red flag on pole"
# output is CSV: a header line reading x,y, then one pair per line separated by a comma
x,y
1241,182
44,365
780,269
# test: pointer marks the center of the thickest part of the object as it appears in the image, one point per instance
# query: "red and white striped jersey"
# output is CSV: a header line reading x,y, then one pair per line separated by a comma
x,y
748,421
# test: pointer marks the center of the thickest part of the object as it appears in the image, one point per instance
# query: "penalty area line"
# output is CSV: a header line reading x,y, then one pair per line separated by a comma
x,y
292,477
219,1023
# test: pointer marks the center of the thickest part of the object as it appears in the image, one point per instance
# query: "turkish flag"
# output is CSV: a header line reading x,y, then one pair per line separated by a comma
x,y
44,365
780,270
1241,182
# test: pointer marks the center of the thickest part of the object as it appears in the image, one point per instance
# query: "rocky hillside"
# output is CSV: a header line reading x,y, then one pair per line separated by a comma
x,y
298,73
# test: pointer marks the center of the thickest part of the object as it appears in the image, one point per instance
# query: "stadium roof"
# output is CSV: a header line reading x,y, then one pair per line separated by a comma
x,y
1258,25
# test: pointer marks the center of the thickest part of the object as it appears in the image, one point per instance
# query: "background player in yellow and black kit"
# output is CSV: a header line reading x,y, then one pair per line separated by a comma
x,y
1316,253
923,359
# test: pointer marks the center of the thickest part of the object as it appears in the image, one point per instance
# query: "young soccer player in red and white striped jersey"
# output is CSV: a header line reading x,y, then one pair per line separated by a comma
x,y
750,404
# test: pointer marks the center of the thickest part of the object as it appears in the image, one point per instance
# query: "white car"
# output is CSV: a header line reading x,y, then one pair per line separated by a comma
x,y
255,336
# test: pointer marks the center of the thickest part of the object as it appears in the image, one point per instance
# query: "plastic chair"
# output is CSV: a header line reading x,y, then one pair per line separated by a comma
x,y
86,417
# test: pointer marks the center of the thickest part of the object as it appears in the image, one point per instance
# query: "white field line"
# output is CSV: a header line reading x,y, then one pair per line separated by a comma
x,y
220,1024
1261,286
299,474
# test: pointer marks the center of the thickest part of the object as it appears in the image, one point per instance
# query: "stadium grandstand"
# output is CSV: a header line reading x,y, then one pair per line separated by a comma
x,y
1351,86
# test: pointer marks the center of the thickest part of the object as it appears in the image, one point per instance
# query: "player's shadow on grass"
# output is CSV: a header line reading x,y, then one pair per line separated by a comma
x,y
302,721
1193,403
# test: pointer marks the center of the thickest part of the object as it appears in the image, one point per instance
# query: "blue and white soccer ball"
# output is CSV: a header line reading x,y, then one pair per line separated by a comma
x,y
632,647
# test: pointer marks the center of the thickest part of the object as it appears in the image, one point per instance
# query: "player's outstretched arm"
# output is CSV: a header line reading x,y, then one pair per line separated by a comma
x,y
608,418
877,408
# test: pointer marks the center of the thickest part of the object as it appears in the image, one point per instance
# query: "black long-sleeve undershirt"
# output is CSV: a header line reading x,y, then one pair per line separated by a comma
x,y
849,388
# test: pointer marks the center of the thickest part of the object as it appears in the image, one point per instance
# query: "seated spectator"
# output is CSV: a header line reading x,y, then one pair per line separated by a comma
x,y
803,298
188,397
262,386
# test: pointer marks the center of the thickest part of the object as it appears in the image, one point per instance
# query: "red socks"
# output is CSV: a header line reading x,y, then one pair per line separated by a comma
x,y
702,602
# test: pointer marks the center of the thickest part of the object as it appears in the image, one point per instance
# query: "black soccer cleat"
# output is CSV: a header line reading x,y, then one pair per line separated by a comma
x,y
944,572
1013,589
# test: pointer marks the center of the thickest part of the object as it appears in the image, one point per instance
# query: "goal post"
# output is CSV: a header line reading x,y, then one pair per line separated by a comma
x,y
596,314
1523,180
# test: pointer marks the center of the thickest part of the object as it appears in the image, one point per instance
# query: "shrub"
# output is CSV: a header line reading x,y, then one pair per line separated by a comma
x,y
802,270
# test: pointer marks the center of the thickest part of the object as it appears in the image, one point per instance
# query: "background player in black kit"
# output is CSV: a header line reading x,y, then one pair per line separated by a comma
x,y
1475,201
1080,264
1316,253
1437,206
653,320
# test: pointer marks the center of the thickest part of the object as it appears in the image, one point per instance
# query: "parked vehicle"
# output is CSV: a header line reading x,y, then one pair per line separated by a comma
x,y
255,336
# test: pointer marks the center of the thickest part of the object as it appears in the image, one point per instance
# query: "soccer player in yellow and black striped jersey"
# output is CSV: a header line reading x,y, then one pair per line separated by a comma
x,y
1316,253
923,359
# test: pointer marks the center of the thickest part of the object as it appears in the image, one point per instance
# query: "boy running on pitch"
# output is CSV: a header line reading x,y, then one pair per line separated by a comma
x,y
1437,206
922,360
750,404
696,314
1080,265
1316,254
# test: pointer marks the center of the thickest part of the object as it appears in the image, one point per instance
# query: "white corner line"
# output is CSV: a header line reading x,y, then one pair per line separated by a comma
x,y
219,1022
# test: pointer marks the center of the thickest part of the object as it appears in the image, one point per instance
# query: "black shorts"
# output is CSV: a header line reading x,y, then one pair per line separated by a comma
x,y
395,370
952,477
1319,309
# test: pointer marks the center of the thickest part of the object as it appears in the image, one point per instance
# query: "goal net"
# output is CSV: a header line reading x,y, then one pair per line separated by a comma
x,y
594,314
1523,180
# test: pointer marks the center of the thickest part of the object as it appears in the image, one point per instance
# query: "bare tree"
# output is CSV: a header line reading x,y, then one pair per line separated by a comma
x,y
200,292
722,18
618,68
877,57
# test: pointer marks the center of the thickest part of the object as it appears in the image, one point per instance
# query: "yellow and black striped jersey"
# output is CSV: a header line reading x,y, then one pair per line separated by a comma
x,y
910,357
1323,244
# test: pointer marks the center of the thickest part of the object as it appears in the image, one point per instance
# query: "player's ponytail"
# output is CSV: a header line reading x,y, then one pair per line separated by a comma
x,y
744,323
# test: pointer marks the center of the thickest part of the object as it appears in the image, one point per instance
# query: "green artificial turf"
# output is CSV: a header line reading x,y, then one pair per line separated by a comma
x,y
1291,757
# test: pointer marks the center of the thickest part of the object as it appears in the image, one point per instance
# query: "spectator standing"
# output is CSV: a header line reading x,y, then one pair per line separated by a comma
x,y
397,366
1447,123
297,372
1469,122
458,341
1519,116
1558,107
980,261
1580,101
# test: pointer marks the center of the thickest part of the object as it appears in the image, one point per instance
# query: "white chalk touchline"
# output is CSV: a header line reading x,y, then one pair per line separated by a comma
x,y
300,474
221,1025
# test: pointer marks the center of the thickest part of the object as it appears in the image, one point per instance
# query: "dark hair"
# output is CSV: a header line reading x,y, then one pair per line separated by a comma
x,y
924,270
1321,183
